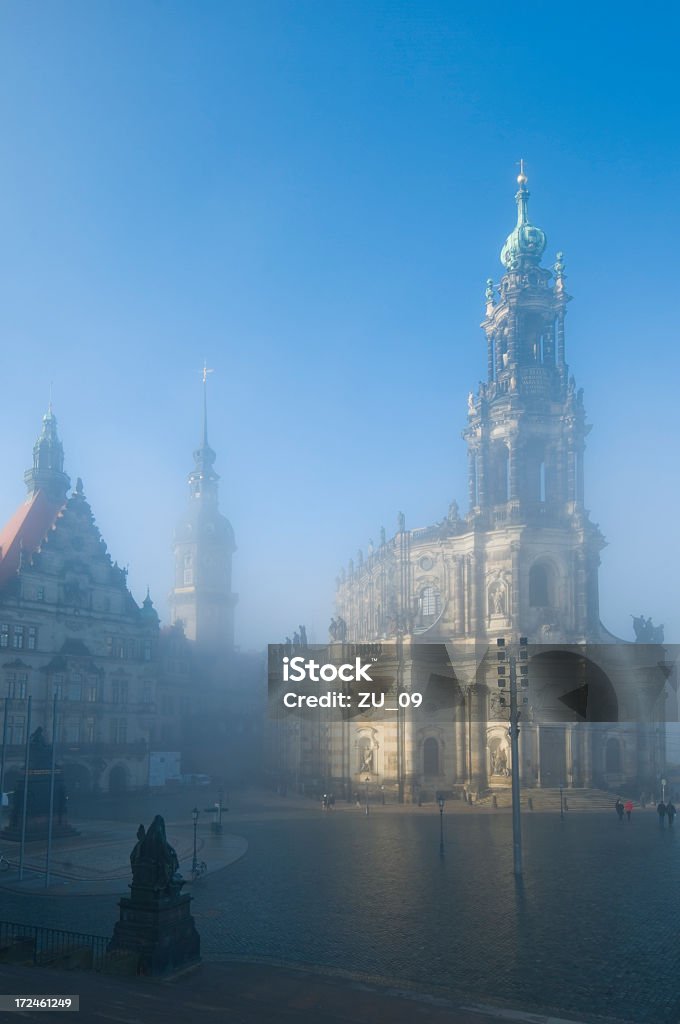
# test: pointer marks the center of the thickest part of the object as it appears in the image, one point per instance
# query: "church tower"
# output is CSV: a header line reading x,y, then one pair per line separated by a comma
x,y
47,472
526,440
202,599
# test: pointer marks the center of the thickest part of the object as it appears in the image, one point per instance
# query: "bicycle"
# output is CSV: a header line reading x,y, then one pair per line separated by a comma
x,y
199,869
4,863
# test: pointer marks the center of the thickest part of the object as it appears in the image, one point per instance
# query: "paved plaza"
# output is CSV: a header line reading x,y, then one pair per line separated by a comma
x,y
589,933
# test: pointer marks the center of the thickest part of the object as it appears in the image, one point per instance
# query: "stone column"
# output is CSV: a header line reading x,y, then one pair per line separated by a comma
x,y
512,339
571,469
581,596
587,755
473,594
549,345
514,609
482,475
478,755
461,774
459,596
513,445
579,482
560,339
489,355
472,477
524,748
569,756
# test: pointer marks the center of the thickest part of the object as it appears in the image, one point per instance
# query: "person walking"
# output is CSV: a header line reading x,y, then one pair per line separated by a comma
x,y
670,812
628,807
619,807
661,811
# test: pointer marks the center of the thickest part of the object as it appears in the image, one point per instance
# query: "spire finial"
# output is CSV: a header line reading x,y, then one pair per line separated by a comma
x,y
527,242
49,406
205,371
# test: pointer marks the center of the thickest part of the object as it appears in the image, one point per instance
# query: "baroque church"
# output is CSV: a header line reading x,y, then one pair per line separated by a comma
x,y
522,562
126,690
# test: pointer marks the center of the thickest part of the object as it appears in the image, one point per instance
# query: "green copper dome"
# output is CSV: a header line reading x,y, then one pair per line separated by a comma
x,y
526,243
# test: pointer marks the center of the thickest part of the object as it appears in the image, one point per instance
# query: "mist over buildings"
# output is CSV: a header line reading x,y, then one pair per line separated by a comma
x,y
258,209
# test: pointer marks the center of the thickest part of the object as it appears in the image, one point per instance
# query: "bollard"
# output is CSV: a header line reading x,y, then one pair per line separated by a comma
x,y
530,804
494,801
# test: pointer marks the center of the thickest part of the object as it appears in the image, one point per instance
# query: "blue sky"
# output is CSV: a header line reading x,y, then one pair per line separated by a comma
x,y
311,197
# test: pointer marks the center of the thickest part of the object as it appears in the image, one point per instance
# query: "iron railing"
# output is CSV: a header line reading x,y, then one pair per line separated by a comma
x,y
51,944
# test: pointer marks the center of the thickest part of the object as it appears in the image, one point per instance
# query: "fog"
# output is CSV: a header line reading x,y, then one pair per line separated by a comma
x,y
320,229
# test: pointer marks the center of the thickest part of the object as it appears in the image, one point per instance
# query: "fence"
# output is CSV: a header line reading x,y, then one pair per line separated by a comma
x,y
52,946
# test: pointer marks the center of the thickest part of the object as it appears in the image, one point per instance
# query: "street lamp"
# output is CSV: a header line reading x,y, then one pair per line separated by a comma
x,y
367,780
441,802
194,816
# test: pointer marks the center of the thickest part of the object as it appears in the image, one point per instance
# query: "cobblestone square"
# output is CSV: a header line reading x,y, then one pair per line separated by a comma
x,y
589,929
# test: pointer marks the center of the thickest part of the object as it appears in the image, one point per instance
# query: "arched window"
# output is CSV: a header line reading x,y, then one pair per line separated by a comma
x,y
429,602
429,607
613,755
539,586
430,756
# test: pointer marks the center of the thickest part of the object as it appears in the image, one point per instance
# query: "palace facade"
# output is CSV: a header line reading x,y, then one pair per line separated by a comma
x,y
71,631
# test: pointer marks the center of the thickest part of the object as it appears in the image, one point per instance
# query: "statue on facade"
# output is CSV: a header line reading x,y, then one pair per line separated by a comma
x,y
303,636
471,404
296,639
499,762
646,632
497,599
367,759
333,630
341,629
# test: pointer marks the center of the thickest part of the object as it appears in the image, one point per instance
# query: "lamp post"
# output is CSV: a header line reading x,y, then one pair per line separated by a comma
x,y
513,732
194,816
441,802
367,780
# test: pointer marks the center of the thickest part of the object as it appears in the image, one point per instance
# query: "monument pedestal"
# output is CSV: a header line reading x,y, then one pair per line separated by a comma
x,y
159,929
41,785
